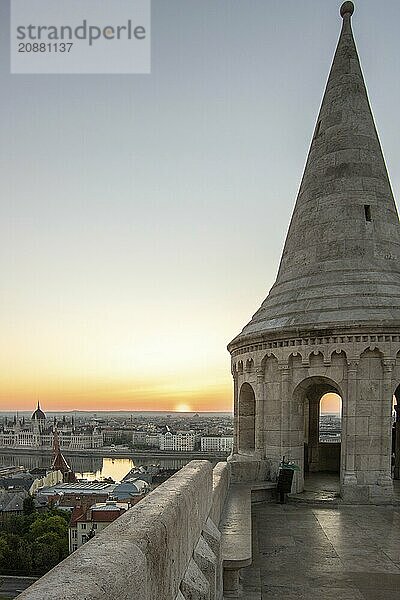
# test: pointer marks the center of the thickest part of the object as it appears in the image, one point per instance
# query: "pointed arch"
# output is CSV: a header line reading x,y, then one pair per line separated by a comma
x,y
247,415
249,365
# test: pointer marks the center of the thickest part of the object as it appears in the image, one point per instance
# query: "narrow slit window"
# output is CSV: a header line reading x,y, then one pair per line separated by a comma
x,y
367,210
317,129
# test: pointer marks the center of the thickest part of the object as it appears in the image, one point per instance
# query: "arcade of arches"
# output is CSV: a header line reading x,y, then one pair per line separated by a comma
x,y
277,409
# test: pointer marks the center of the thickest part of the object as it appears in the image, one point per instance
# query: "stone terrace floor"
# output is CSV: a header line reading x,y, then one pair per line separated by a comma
x,y
304,552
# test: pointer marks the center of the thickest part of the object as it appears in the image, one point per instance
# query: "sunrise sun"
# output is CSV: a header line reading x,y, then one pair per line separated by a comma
x,y
182,407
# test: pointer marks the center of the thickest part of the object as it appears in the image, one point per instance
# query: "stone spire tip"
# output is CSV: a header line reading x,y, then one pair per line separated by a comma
x,y
347,8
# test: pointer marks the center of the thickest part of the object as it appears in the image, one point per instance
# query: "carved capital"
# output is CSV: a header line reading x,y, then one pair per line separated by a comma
x,y
283,368
388,364
352,365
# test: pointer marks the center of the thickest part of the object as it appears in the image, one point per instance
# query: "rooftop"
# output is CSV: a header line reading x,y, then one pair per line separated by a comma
x,y
109,506
79,488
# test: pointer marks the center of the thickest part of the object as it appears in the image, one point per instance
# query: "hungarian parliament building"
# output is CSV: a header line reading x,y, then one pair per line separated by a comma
x,y
39,433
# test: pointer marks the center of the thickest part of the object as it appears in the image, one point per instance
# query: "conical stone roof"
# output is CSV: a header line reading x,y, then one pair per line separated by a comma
x,y
341,261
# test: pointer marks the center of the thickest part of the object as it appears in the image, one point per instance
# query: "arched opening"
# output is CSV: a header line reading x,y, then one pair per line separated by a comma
x,y
247,415
322,405
329,433
330,419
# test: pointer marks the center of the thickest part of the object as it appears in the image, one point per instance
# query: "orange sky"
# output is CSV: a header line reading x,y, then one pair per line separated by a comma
x,y
179,363
78,359
124,361
109,395
331,403
129,397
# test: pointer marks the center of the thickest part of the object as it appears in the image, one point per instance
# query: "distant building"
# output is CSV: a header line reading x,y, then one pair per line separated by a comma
x,y
143,438
85,524
139,438
131,491
40,434
216,443
182,441
114,435
52,477
60,463
168,440
330,429
30,481
153,440
82,493
86,493
12,502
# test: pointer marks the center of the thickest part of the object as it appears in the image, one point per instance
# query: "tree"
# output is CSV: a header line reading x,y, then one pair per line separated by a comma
x,y
52,524
29,505
18,556
44,557
32,544
5,552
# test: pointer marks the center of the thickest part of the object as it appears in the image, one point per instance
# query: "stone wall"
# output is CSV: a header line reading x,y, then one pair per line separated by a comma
x,y
290,374
166,547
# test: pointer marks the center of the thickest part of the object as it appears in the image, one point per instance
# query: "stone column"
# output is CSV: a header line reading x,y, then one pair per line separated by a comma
x,y
235,413
397,442
385,482
259,417
349,407
313,434
285,407
291,430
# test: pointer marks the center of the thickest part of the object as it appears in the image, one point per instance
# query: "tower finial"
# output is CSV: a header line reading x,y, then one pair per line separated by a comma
x,y
347,8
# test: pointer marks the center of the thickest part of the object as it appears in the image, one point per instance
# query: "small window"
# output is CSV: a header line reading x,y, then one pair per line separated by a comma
x,y
317,129
367,210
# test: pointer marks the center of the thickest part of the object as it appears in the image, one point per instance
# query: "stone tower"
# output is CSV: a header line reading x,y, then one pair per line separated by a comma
x,y
331,322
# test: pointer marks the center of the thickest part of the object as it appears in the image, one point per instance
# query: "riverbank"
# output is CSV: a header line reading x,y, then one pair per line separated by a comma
x,y
108,452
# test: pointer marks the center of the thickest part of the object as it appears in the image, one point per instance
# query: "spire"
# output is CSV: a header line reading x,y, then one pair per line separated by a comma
x,y
341,261
346,10
59,461
38,415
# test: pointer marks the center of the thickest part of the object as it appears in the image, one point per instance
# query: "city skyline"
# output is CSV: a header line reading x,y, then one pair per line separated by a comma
x,y
330,404
140,235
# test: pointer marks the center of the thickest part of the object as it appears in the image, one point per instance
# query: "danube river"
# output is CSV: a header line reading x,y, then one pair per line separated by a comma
x,y
93,467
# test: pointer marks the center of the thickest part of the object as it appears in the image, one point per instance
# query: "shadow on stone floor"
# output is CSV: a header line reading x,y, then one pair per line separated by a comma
x,y
322,553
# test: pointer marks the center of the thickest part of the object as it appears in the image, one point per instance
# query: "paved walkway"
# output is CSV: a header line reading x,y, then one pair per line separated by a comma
x,y
312,553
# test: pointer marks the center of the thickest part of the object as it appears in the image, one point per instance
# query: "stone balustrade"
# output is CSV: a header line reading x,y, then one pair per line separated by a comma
x,y
167,547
